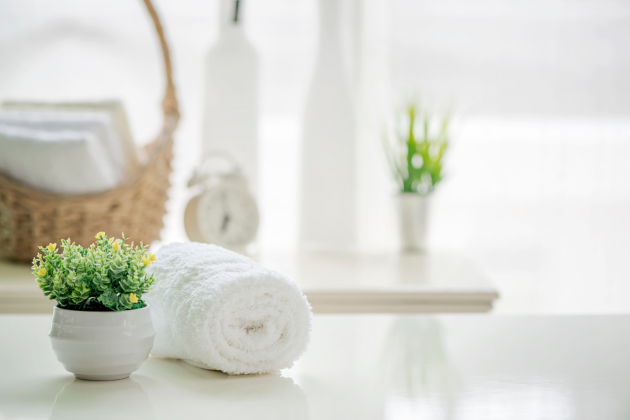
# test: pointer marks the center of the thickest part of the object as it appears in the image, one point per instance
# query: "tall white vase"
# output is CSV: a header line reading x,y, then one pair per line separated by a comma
x,y
328,178
230,119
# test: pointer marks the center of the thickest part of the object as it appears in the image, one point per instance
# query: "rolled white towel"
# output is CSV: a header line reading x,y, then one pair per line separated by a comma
x,y
220,310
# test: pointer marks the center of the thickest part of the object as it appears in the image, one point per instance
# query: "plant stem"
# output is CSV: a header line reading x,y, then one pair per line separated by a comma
x,y
411,151
236,10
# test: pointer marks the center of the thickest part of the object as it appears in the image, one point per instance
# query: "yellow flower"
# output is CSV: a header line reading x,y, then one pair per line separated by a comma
x,y
116,246
100,235
51,247
42,272
133,298
148,259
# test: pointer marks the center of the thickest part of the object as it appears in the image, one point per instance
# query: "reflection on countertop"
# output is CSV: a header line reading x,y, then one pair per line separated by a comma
x,y
367,367
95,400
418,371
222,396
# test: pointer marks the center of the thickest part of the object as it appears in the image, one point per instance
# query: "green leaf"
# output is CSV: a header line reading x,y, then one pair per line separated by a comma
x,y
101,282
80,294
130,284
117,265
109,298
124,302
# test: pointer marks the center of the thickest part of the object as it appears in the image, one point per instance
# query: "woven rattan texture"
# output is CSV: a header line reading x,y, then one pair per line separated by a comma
x,y
29,218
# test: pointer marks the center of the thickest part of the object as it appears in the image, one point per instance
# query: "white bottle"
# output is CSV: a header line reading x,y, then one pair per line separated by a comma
x,y
328,178
230,119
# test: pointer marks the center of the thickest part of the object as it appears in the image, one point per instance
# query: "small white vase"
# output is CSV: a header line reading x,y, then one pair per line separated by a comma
x,y
102,346
413,215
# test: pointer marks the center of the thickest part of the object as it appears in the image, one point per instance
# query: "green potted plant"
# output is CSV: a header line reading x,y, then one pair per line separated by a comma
x,y
414,151
101,328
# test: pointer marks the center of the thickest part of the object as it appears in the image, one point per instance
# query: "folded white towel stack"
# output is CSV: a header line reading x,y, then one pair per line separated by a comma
x,y
37,151
220,310
55,161
114,110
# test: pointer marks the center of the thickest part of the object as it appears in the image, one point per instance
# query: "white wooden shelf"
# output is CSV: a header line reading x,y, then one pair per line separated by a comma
x,y
395,283
332,282
19,291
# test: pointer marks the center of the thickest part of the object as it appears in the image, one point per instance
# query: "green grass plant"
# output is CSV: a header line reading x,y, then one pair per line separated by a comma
x,y
416,148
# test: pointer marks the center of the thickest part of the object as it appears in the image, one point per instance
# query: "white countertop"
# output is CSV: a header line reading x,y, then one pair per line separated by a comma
x,y
364,367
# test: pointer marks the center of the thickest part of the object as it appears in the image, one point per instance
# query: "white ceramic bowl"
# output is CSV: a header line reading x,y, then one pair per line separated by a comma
x,y
102,346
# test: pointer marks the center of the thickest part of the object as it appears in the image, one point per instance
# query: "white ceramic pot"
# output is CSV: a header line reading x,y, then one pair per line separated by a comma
x,y
102,346
413,215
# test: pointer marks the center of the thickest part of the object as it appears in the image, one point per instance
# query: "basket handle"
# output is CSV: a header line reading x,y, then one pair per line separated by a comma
x,y
169,104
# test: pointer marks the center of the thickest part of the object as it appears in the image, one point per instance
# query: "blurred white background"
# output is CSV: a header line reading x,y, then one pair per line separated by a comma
x,y
537,187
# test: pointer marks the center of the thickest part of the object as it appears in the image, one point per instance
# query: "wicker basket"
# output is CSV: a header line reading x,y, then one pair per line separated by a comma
x,y
29,218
